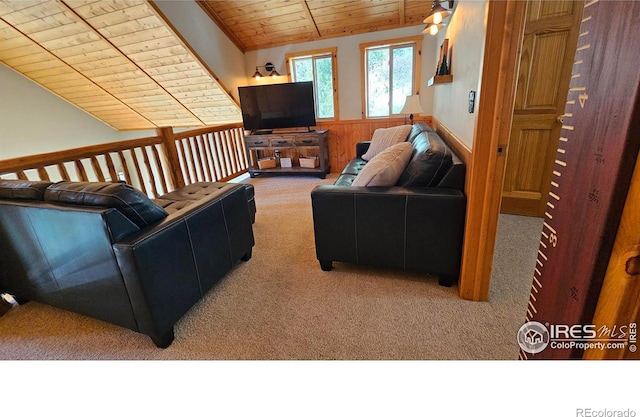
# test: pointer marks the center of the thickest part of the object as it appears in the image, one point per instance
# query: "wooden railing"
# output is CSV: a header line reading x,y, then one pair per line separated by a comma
x,y
208,154
154,165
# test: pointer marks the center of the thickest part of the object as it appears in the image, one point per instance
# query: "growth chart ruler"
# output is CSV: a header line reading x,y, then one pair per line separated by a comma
x,y
596,156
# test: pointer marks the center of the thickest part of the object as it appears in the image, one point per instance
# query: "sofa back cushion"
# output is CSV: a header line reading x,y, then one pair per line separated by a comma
x,y
417,129
23,189
431,160
136,206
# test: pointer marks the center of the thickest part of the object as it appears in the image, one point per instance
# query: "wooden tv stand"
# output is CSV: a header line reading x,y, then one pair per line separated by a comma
x,y
288,145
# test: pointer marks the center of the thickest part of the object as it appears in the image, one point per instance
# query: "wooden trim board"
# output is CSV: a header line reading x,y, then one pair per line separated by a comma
x,y
505,24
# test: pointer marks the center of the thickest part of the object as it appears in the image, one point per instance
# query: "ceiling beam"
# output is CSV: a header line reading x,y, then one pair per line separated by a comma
x,y
305,7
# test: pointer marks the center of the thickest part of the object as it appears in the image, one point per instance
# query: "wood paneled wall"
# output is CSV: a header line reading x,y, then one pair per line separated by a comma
x,y
343,136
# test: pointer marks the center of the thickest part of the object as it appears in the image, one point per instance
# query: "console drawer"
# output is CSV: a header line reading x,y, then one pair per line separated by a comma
x,y
256,142
306,141
281,143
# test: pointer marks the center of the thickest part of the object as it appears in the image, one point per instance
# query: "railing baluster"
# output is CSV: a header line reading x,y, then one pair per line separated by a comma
x,y
186,172
110,167
125,168
234,146
211,176
97,169
43,174
233,154
63,172
220,155
136,164
163,179
197,142
154,188
215,152
241,148
227,159
81,172
194,163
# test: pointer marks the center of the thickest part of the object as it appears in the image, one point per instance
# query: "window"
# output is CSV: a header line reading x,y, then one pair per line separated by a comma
x,y
391,73
319,67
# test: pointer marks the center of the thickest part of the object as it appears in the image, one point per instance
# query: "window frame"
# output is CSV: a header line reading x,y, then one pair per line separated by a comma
x,y
392,43
319,53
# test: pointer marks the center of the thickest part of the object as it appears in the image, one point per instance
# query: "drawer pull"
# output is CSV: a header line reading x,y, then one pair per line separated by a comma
x,y
307,141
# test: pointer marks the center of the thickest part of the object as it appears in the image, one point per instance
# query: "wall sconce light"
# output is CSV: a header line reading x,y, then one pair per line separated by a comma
x,y
411,106
435,17
269,67
433,29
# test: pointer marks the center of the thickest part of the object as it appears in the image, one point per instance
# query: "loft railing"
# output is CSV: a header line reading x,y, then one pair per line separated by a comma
x,y
155,165
207,154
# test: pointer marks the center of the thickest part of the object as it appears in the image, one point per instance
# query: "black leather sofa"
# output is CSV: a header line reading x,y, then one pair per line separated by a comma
x,y
106,251
416,225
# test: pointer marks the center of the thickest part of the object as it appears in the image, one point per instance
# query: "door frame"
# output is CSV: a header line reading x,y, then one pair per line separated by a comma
x,y
503,46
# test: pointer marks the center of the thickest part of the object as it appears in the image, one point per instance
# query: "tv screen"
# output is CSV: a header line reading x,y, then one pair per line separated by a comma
x,y
277,106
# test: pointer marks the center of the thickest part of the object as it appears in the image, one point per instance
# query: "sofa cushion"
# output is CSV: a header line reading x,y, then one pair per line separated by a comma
x,y
417,129
384,138
136,206
431,160
385,168
23,189
354,166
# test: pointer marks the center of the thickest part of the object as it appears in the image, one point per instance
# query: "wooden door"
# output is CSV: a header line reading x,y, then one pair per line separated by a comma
x,y
549,44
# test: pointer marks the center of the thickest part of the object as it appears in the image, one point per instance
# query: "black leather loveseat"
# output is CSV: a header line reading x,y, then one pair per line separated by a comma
x,y
415,225
106,251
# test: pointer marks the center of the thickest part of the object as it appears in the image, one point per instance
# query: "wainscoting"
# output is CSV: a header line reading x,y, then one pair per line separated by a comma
x,y
343,136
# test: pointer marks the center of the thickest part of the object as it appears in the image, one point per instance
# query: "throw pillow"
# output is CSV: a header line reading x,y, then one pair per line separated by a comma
x,y
386,167
384,138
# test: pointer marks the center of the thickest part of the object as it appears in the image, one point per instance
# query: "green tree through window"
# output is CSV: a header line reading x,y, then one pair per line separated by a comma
x,y
318,68
390,71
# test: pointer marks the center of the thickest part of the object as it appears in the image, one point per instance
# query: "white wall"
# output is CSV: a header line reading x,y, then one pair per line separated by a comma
x,y
465,30
210,43
348,61
33,120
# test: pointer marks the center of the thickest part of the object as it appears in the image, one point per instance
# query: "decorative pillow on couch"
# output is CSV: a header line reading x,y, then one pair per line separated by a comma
x,y
136,206
384,138
386,167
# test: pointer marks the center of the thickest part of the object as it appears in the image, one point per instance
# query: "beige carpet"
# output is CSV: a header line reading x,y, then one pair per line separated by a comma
x,y
281,305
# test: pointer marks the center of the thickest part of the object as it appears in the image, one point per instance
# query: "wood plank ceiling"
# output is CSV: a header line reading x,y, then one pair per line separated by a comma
x,y
257,24
117,60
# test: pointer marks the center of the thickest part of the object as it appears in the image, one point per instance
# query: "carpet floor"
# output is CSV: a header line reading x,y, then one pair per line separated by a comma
x,y
281,305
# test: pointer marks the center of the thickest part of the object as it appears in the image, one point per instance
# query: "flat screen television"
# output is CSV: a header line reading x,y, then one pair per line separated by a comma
x,y
277,106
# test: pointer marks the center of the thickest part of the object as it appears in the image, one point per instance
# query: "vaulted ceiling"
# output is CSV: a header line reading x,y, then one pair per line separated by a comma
x,y
258,24
123,63
117,60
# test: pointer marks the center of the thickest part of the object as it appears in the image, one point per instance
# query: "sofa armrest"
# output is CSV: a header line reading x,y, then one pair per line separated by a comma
x,y
362,148
418,229
168,267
